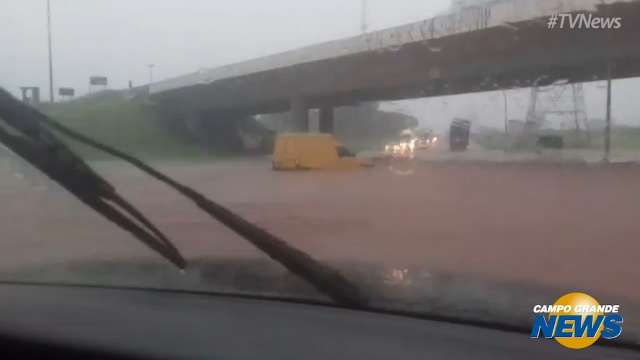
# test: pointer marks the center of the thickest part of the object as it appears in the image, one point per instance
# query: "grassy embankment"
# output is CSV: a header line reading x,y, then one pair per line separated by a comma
x,y
126,124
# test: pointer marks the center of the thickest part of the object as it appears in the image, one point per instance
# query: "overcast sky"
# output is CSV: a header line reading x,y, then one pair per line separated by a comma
x,y
118,38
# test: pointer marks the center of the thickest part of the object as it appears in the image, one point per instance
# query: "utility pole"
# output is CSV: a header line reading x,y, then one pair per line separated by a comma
x,y
150,72
363,17
506,112
51,99
607,128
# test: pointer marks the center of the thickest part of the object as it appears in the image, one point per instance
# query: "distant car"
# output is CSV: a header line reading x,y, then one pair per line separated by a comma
x,y
555,142
426,141
403,148
314,152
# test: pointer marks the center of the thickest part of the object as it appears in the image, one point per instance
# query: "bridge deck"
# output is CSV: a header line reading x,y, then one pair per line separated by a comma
x,y
506,44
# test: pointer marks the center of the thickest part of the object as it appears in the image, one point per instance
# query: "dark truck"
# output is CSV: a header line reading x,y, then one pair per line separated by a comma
x,y
459,134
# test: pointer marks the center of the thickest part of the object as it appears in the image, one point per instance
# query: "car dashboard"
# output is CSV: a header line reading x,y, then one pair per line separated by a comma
x,y
133,323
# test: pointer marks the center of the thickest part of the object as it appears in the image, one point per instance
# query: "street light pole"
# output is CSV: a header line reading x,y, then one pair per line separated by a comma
x,y
51,99
150,72
363,17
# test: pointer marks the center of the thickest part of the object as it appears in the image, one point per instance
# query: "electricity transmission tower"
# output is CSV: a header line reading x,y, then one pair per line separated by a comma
x,y
559,106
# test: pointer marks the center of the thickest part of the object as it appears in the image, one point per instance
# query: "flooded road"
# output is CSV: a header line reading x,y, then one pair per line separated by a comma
x,y
547,224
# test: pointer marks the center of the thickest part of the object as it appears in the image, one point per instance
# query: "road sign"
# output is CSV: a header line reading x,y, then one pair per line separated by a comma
x,y
30,94
98,80
66,91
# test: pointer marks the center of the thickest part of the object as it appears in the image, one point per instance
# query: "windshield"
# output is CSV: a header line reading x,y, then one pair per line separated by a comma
x,y
489,159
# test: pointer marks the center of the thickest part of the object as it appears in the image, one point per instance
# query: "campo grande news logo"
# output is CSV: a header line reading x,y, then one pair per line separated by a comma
x,y
577,321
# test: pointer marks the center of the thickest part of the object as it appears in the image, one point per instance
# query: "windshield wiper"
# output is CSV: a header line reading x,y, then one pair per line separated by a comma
x,y
43,150
38,146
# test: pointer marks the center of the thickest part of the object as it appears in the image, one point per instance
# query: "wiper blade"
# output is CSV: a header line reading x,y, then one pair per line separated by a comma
x,y
38,146
324,278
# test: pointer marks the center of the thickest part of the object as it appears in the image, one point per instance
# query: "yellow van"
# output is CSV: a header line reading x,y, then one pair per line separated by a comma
x,y
313,152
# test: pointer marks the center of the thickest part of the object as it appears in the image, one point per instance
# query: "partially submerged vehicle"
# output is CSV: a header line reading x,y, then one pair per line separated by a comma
x,y
314,152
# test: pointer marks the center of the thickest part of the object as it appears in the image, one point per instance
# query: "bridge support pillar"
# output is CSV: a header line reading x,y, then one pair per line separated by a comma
x,y
299,115
326,124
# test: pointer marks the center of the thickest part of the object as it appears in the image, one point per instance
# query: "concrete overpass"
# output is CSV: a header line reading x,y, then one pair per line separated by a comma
x,y
503,44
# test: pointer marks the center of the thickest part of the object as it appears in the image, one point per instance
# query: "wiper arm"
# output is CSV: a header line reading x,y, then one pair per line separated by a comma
x,y
325,279
38,146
